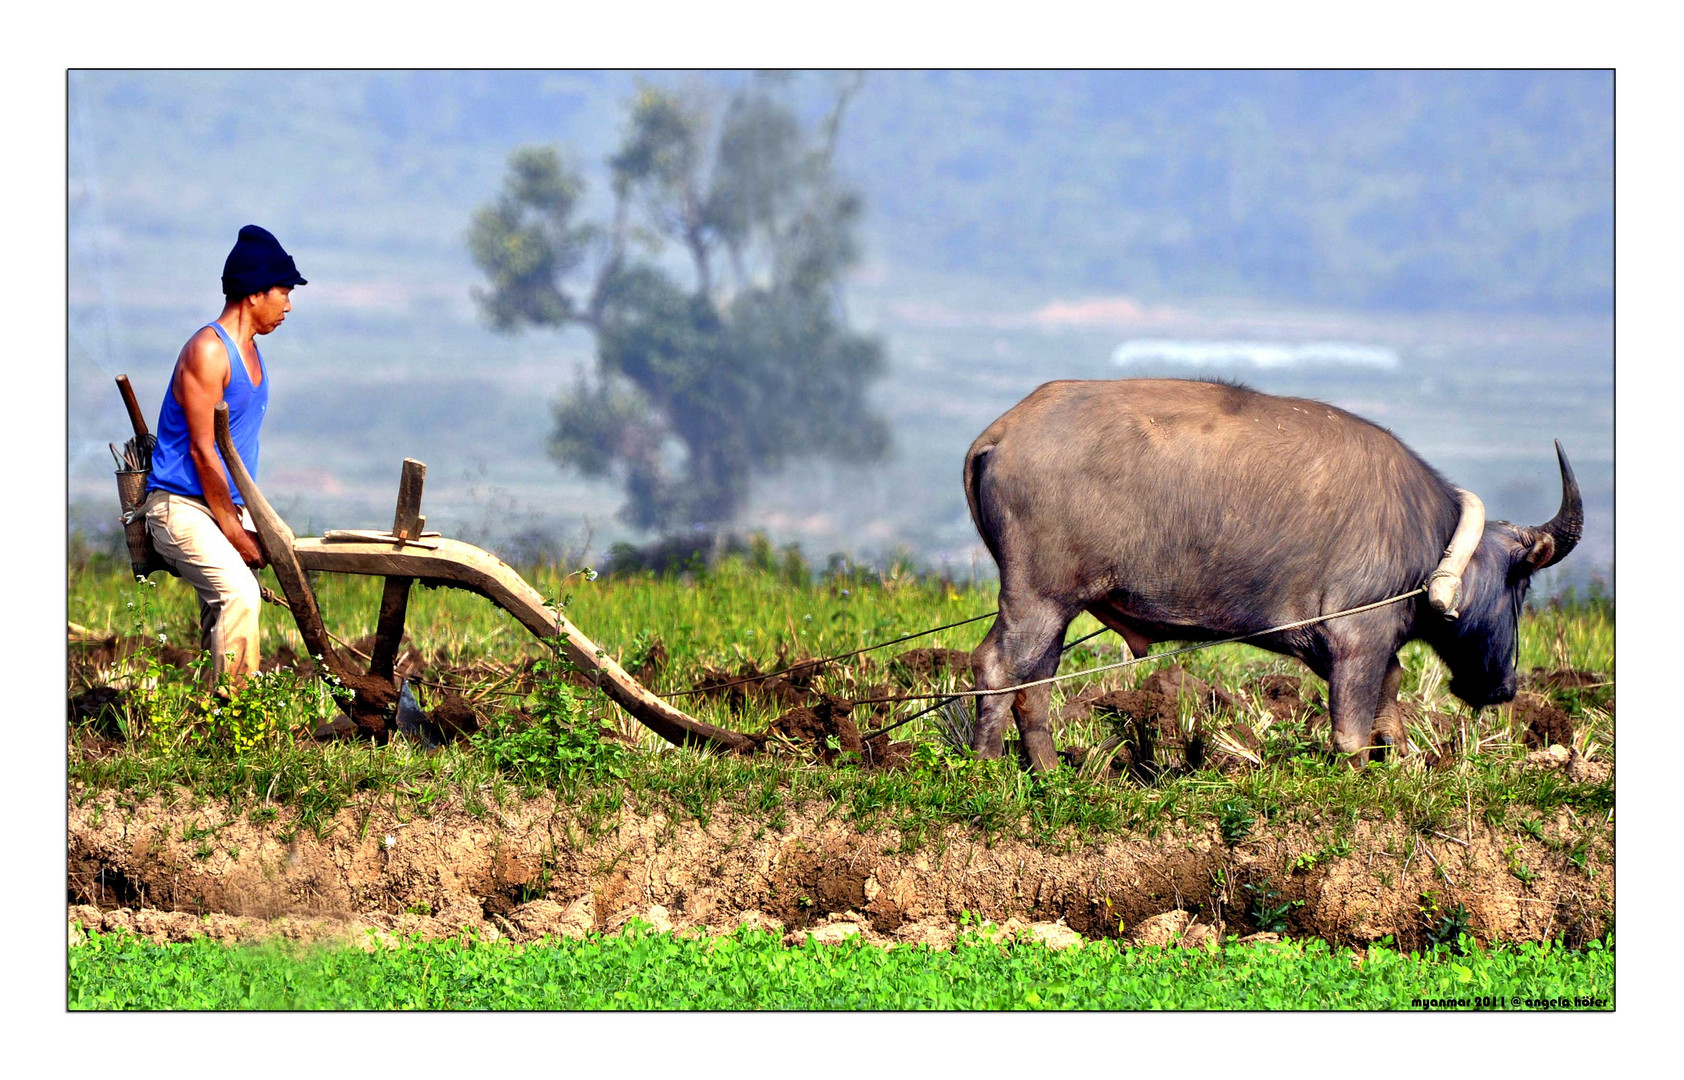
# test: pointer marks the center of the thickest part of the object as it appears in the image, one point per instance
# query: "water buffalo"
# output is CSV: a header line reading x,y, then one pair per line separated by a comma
x,y
1193,510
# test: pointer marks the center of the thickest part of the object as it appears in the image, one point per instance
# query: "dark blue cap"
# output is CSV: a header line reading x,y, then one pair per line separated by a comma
x,y
257,264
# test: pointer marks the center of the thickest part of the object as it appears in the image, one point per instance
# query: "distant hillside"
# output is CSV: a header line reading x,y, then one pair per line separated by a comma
x,y
1017,227
1400,190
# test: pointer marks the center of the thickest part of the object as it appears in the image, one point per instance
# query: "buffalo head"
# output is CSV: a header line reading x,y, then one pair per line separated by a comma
x,y
1481,645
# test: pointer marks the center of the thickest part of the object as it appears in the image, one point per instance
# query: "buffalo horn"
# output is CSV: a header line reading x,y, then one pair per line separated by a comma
x,y
1568,524
1445,583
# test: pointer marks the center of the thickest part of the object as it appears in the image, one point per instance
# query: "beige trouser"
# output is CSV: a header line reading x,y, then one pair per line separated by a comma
x,y
187,537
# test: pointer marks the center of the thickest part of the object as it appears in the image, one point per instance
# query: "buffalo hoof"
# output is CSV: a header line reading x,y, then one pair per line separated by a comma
x,y
1357,760
1039,749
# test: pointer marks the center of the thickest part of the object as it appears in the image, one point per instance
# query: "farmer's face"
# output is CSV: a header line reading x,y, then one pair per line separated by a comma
x,y
269,309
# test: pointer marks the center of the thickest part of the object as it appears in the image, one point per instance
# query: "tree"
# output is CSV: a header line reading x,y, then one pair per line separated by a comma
x,y
714,292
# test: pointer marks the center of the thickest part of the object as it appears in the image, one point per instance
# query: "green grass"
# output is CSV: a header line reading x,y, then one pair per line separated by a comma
x,y
754,970
739,612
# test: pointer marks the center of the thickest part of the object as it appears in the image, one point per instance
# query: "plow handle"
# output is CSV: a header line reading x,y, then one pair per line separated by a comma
x,y
136,417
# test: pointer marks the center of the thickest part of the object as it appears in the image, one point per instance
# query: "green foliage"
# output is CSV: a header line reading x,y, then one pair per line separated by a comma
x,y
1235,817
527,241
736,369
171,710
1308,861
751,969
730,613
1268,910
1450,927
561,743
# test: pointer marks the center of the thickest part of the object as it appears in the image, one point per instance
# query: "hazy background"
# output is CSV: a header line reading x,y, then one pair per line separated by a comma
x,y
1430,250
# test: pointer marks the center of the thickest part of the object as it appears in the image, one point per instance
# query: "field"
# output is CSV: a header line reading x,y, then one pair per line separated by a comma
x,y
753,969
1207,813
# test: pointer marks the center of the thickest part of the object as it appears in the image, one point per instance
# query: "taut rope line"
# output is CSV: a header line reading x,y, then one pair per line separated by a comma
x,y
942,699
713,687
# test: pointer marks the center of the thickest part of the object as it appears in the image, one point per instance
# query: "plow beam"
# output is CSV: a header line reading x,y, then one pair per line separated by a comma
x,y
401,557
463,566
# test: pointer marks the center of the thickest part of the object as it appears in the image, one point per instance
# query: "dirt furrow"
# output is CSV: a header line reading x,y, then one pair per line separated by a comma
x,y
526,871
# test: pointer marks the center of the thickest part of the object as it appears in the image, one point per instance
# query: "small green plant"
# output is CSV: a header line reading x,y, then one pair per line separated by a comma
x,y
1448,927
1308,861
562,741
1268,910
158,713
1520,870
645,650
268,705
1235,817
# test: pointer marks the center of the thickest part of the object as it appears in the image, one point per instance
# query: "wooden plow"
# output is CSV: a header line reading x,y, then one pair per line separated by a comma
x,y
406,555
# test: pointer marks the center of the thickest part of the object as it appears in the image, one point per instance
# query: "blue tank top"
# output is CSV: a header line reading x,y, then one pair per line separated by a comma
x,y
172,463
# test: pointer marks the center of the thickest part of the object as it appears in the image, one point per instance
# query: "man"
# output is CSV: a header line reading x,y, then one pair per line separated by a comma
x,y
194,513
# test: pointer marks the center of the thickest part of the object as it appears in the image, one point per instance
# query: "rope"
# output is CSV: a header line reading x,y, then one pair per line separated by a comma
x,y
269,597
943,699
955,695
714,687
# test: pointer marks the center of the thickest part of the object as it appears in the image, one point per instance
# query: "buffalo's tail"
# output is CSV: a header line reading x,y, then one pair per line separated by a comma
x,y
975,460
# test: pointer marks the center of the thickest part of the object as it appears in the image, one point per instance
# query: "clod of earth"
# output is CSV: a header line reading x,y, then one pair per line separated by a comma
x,y
924,664
1546,723
750,685
826,729
1563,679
1152,737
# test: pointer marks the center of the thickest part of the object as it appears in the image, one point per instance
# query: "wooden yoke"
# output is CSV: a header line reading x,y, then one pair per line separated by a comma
x,y
374,697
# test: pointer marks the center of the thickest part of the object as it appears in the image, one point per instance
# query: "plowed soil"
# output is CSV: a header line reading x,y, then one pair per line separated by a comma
x,y
527,871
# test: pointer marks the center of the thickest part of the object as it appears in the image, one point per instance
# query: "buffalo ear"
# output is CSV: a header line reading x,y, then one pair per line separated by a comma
x,y
1540,550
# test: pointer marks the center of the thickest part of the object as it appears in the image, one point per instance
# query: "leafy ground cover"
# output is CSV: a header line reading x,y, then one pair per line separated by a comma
x,y
1259,829
753,970
539,734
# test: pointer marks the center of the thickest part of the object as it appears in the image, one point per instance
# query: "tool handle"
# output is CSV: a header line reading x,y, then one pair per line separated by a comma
x,y
135,416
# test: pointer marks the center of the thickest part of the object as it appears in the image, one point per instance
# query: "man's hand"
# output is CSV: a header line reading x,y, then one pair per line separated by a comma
x,y
251,552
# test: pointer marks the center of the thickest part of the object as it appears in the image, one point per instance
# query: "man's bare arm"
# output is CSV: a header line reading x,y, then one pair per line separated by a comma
x,y
202,374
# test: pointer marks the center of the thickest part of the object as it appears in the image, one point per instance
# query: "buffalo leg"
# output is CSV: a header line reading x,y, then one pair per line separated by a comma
x,y
1388,721
1022,646
1353,698
1031,709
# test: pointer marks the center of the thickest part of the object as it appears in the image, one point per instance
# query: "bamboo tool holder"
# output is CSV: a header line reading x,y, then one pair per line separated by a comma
x,y
407,555
131,495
